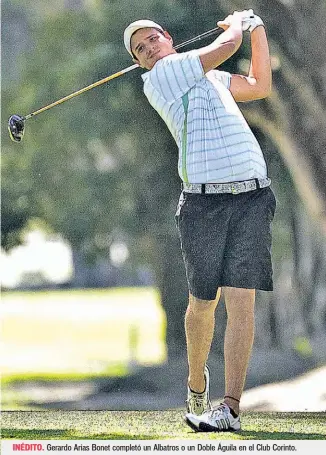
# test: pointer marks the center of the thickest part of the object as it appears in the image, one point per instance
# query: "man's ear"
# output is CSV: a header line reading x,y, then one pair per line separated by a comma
x,y
168,36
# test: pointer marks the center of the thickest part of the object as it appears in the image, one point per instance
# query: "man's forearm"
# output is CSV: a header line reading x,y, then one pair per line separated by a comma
x,y
232,34
260,67
222,48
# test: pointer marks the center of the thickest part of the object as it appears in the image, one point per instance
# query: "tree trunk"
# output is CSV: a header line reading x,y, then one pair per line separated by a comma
x,y
294,116
174,292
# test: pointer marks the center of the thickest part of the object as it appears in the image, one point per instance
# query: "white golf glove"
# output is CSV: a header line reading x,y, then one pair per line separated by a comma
x,y
250,21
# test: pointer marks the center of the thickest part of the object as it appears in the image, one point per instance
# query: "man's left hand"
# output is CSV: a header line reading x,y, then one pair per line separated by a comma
x,y
249,20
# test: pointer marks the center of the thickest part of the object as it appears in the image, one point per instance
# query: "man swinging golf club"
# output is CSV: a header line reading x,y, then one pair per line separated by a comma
x,y
226,206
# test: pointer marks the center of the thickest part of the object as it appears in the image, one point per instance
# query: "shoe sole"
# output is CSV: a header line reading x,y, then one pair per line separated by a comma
x,y
205,427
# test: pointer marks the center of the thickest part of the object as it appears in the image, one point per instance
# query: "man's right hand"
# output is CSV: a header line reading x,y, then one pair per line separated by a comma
x,y
242,16
225,45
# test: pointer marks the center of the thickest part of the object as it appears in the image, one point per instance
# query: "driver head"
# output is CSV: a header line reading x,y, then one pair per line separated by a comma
x,y
16,127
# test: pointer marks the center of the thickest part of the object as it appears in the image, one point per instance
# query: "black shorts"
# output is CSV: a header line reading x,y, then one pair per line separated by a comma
x,y
226,240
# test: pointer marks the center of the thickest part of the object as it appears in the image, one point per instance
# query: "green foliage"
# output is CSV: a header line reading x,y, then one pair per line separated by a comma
x,y
303,347
102,164
103,161
83,166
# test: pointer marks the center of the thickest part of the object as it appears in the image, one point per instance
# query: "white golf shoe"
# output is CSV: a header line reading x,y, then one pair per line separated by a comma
x,y
219,419
198,403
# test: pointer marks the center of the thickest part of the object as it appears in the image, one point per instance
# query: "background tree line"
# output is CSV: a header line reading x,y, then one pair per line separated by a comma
x,y
104,165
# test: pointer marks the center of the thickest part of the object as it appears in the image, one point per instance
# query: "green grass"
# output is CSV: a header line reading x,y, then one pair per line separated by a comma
x,y
113,371
14,388
81,332
156,425
77,335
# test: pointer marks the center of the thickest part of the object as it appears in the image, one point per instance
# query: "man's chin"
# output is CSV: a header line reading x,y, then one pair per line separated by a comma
x,y
156,58
152,63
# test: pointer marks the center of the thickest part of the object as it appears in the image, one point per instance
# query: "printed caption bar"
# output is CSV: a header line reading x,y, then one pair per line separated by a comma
x,y
298,447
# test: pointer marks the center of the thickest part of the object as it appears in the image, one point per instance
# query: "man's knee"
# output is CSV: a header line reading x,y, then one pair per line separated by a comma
x,y
240,303
197,305
237,299
239,294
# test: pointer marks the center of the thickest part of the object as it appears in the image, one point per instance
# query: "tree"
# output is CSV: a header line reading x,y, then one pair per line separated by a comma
x,y
299,87
293,121
102,163
105,162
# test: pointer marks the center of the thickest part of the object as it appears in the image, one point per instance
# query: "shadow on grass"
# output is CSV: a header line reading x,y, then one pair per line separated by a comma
x,y
21,434
34,434
278,435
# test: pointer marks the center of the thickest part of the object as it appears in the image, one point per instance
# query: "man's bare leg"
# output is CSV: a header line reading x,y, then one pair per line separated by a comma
x,y
238,341
199,325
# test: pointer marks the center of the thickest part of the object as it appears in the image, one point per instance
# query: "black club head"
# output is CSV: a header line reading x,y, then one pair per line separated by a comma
x,y
16,127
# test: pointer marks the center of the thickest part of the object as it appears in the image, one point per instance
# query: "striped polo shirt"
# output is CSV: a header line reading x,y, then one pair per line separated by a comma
x,y
215,142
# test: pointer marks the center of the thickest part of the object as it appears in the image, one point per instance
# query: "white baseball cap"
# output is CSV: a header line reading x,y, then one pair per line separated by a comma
x,y
133,27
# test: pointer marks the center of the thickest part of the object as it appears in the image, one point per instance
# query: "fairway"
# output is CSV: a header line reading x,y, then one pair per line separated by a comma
x,y
149,425
81,331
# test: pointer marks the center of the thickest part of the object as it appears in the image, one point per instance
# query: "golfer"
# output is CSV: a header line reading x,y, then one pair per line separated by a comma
x,y
226,206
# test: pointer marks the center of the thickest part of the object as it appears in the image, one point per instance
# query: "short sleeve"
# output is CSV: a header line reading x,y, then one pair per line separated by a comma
x,y
222,76
175,75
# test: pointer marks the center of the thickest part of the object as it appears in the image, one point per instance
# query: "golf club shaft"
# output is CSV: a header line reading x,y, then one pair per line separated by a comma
x,y
82,90
113,76
199,37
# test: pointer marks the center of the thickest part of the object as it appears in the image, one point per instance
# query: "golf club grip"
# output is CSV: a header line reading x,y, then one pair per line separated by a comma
x,y
85,89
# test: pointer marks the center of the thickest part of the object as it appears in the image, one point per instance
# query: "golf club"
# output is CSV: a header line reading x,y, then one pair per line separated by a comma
x,y
16,123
